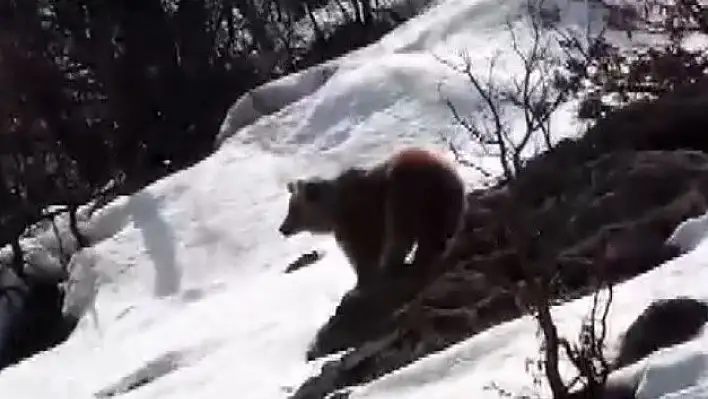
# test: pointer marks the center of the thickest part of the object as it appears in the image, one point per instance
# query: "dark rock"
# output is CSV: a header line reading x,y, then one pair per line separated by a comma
x,y
305,259
664,323
37,326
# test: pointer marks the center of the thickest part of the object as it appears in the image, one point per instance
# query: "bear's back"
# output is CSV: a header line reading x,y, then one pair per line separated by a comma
x,y
425,178
427,193
418,158
425,189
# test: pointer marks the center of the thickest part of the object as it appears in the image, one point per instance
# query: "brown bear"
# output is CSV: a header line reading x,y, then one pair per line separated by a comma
x,y
378,214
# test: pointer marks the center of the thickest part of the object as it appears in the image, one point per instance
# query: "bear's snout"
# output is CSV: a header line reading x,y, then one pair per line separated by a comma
x,y
286,229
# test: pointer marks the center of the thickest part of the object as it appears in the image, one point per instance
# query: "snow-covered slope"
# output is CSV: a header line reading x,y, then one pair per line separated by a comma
x,y
190,295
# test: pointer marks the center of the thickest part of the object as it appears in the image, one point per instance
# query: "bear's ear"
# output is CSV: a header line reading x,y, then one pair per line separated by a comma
x,y
294,185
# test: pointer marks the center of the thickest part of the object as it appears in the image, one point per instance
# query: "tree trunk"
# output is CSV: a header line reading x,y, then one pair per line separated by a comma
x,y
345,13
357,12
367,12
319,35
81,240
18,261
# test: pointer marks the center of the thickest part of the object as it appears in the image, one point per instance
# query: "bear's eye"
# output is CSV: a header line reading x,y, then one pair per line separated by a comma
x,y
313,191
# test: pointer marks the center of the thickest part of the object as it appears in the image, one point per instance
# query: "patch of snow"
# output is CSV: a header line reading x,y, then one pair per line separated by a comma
x,y
698,391
272,97
672,370
82,285
689,233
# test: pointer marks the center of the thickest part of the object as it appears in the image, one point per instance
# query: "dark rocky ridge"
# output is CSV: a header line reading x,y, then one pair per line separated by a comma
x,y
625,185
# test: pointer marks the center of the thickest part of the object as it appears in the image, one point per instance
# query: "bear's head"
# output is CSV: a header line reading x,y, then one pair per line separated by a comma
x,y
310,208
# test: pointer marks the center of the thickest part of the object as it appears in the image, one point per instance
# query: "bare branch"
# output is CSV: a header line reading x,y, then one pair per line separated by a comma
x,y
63,258
538,96
491,101
459,159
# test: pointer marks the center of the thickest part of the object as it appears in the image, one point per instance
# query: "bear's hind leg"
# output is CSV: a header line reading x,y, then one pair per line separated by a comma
x,y
398,240
435,242
428,254
367,275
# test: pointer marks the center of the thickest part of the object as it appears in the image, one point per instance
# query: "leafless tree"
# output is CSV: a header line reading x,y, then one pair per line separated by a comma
x,y
540,90
535,94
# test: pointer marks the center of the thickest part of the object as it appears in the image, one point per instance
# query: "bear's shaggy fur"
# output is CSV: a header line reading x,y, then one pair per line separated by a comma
x,y
378,214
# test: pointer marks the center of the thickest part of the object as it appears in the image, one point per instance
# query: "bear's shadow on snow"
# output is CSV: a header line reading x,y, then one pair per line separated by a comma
x,y
159,240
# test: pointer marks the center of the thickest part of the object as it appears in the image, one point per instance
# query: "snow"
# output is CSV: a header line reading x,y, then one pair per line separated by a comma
x,y
689,233
273,96
183,294
675,369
